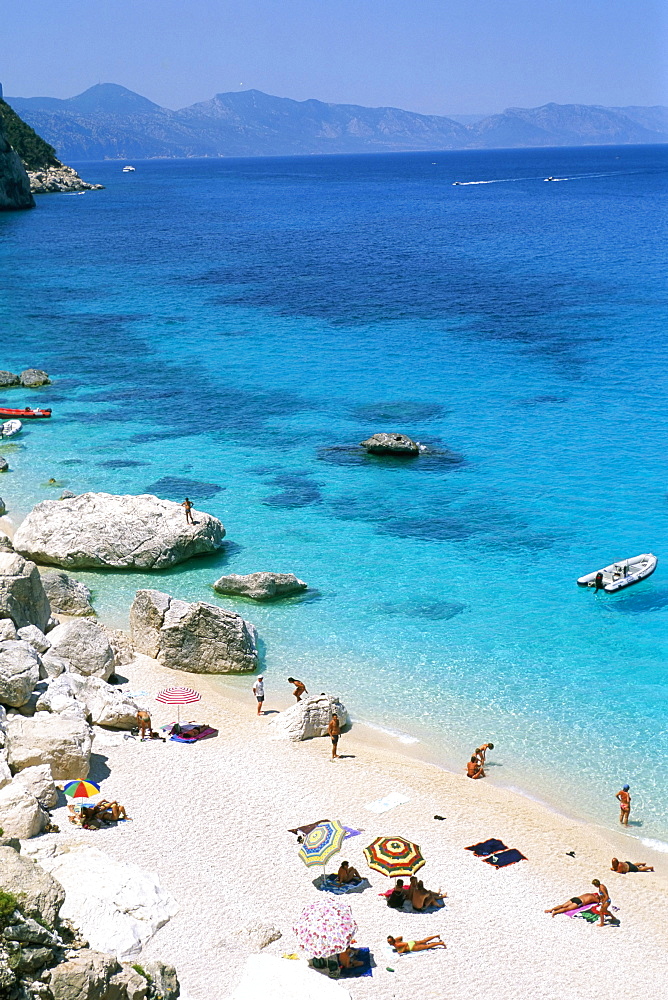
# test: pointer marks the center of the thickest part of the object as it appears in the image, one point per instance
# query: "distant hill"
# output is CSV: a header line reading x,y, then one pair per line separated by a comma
x,y
110,122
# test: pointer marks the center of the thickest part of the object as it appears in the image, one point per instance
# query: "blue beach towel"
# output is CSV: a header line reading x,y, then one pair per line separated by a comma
x,y
361,955
505,858
329,884
487,847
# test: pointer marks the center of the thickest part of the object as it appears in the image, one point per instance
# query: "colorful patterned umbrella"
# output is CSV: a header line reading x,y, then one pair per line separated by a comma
x,y
394,856
178,696
321,843
81,789
325,928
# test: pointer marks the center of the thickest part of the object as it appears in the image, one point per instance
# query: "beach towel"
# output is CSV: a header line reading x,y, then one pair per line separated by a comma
x,y
185,736
361,955
576,912
487,847
350,832
505,858
329,884
303,830
389,802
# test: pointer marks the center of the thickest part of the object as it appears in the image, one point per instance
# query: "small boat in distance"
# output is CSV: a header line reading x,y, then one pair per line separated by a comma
x,y
549,178
456,184
26,414
621,574
128,169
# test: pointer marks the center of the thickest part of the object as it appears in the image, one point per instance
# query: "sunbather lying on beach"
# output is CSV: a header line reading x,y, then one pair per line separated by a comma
x,y
82,816
402,947
347,959
347,874
474,768
109,812
624,867
574,902
421,898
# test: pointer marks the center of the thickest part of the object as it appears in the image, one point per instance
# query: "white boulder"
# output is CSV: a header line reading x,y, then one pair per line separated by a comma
x,y
20,813
34,636
260,586
66,596
99,702
199,638
19,672
116,905
310,717
390,444
7,630
128,532
38,780
5,772
41,895
64,743
22,596
83,647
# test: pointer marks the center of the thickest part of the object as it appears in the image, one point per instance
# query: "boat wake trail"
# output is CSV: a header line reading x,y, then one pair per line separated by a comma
x,y
574,177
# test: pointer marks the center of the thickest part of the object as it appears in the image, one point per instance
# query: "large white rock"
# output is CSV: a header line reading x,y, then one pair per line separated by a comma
x,y
41,895
7,630
35,636
63,743
116,905
271,978
22,596
20,812
260,586
310,717
66,596
19,672
38,780
200,638
129,532
5,772
101,703
83,646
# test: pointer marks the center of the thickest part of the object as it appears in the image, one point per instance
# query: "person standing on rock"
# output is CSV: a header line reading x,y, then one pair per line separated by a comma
x,y
300,688
334,730
188,509
258,691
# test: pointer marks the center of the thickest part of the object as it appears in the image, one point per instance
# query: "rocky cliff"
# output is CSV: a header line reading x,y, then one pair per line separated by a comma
x,y
14,182
33,161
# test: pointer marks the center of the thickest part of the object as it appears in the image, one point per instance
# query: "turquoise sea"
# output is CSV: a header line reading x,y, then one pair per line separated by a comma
x,y
231,329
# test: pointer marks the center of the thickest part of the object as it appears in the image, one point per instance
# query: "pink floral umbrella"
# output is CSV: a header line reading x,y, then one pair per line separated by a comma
x,y
325,928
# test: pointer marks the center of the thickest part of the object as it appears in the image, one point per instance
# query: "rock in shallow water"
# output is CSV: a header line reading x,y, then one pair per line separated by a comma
x,y
390,444
126,532
260,586
197,637
33,377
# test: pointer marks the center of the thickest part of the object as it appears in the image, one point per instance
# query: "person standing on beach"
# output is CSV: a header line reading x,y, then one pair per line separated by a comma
x,y
624,805
258,691
144,723
604,902
188,509
300,688
481,752
334,730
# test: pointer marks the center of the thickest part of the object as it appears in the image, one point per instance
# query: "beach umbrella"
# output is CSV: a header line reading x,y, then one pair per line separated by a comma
x,y
178,696
394,856
321,843
81,789
325,928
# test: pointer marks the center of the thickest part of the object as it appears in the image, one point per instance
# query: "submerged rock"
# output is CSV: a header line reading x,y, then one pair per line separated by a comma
x,y
260,586
127,532
390,444
7,379
66,596
309,718
197,637
22,596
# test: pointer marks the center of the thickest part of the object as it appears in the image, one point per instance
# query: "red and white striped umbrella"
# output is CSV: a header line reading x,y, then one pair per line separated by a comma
x,y
178,696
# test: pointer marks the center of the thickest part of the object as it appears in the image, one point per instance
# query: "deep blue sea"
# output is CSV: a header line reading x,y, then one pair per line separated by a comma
x,y
231,329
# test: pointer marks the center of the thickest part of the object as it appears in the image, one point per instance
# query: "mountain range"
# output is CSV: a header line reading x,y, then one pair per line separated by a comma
x,y
108,121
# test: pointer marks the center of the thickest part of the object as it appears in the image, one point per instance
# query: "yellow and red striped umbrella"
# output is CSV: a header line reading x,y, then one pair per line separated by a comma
x,y
394,856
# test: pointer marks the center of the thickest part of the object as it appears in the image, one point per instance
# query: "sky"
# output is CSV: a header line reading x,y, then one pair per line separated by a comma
x,y
430,56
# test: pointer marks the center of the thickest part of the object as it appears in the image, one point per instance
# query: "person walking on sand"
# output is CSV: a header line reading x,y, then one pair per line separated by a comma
x,y
604,903
624,805
334,730
401,946
144,723
187,506
300,688
258,691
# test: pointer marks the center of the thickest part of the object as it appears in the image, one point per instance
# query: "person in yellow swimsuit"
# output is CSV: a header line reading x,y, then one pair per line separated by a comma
x,y
425,944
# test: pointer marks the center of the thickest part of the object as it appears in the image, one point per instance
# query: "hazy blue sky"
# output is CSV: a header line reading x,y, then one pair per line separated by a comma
x,y
437,56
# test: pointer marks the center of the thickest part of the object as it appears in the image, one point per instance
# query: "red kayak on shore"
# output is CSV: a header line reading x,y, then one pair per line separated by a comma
x,y
26,414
